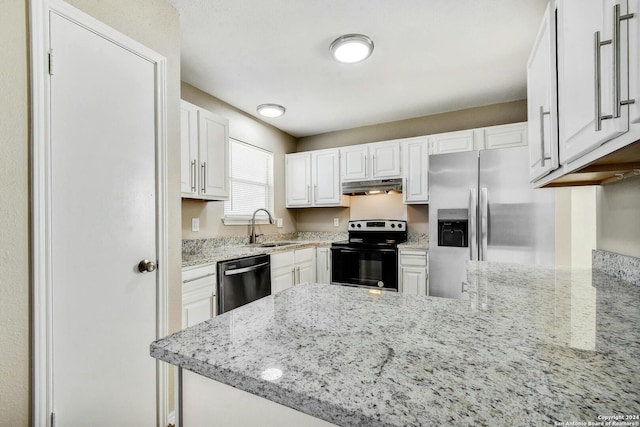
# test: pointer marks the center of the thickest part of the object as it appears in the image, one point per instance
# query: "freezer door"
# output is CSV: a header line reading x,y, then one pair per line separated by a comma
x,y
453,182
516,222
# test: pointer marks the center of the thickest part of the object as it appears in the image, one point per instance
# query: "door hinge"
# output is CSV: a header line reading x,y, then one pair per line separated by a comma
x,y
53,419
51,62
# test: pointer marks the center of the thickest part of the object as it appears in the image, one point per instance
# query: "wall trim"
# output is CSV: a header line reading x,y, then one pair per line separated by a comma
x,y
41,274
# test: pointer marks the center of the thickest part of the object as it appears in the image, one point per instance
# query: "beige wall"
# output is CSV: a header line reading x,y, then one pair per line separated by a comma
x,y
490,115
576,225
418,215
153,23
247,129
14,216
619,217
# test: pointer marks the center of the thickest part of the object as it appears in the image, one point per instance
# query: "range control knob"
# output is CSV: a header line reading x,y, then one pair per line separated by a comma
x,y
393,225
359,225
352,225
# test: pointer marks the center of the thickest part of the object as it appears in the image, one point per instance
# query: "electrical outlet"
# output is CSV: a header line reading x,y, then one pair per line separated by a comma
x,y
195,224
336,222
279,222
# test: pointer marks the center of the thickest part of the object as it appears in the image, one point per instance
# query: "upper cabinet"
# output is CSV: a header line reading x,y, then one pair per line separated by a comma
x,y
501,136
415,159
592,74
542,103
379,160
313,179
597,47
204,142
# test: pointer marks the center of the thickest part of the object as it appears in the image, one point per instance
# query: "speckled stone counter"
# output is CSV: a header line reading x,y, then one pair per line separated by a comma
x,y
531,346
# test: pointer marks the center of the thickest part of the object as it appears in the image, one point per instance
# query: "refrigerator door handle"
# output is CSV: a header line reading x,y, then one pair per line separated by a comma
x,y
473,223
484,222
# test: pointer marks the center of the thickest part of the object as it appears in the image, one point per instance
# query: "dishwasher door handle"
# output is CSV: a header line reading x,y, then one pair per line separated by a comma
x,y
245,269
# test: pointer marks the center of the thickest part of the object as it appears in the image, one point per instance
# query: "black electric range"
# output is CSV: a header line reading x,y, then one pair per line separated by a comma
x,y
370,257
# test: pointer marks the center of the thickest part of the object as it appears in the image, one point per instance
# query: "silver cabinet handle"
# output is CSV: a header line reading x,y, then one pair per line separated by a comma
x,y
327,260
192,176
542,153
484,223
293,276
365,165
473,223
315,193
204,177
617,20
308,194
597,81
405,190
298,271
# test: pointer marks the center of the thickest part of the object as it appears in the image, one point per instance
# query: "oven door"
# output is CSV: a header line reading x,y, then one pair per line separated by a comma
x,y
371,268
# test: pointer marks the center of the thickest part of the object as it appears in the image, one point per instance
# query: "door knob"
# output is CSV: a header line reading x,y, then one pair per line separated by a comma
x,y
146,266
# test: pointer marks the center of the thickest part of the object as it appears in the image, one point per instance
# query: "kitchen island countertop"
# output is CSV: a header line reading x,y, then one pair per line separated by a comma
x,y
532,345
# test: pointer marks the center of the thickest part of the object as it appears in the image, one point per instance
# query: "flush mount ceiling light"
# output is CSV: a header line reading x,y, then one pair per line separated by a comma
x,y
351,48
270,110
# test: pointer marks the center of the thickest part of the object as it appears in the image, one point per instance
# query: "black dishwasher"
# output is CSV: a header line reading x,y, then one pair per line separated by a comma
x,y
243,280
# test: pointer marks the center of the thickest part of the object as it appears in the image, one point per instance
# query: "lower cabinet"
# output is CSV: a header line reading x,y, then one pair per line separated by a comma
x,y
413,277
323,265
198,294
292,268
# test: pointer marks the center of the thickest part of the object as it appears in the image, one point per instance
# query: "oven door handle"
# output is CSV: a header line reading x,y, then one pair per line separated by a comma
x,y
354,251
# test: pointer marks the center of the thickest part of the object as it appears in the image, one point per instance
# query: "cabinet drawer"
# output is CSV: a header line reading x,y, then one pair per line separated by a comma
x,y
304,255
282,260
417,259
191,273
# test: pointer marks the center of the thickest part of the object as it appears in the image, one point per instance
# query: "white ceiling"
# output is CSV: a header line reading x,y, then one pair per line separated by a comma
x,y
430,56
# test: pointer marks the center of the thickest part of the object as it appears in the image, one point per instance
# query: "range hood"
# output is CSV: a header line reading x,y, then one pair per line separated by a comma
x,y
379,186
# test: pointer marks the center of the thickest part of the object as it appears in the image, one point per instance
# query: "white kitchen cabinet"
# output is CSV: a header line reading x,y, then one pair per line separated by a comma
x,y
415,158
313,179
590,93
413,277
379,160
323,265
204,140
298,179
291,268
198,294
502,136
542,106
452,142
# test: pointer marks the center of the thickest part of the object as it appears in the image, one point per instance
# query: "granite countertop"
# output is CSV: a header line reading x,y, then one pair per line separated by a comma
x,y
223,253
531,346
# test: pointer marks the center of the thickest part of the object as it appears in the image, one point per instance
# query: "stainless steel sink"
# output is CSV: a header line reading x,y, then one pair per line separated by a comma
x,y
271,244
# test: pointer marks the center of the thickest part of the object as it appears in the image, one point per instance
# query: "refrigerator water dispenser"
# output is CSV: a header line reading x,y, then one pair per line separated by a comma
x,y
453,227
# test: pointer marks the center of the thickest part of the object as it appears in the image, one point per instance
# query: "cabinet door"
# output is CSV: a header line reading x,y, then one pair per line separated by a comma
x,y
213,148
385,160
197,310
354,162
305,265
634,60
503,136
326,177
323,265
452,142
298,179
415,158
414,281
586,78
542,112
188,149
281,280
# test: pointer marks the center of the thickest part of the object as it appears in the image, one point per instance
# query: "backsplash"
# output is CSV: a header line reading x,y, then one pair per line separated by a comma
x,y
621,266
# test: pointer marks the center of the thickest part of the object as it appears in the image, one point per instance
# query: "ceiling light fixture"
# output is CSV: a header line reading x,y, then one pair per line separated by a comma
x,y
351,48
270,110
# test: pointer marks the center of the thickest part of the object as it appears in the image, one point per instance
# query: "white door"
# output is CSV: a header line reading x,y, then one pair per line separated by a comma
x,y
103,222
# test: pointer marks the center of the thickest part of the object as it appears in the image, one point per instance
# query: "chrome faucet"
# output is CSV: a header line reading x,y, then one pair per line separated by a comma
x,y
252,238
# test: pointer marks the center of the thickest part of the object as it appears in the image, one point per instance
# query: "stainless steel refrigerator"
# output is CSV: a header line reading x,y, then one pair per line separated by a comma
x,y
482,207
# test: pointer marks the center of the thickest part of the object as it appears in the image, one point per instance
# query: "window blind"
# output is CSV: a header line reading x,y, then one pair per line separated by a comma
x,y
250,181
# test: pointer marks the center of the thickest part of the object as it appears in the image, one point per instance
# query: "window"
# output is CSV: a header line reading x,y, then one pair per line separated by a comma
x,y
250,183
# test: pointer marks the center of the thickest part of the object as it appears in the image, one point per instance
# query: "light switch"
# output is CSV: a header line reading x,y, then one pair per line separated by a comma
x,y
336,222
279,222
195,224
